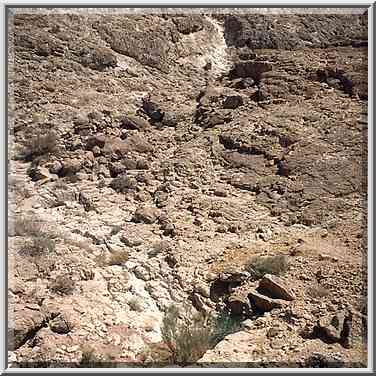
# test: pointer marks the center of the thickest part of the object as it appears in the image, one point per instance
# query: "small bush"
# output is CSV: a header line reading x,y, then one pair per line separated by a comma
x,y
39,245
135,304
317,291
41,144
261,265
27,226
90,359
63,285
118,258
189,337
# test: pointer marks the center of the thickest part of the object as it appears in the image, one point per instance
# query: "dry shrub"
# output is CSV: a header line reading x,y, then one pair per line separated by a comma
x,y
27,226
41,240
317,291
41,144
63,285
135,304
260,265
118,258
38,246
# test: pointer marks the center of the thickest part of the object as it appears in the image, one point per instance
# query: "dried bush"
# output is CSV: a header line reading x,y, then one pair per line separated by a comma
x,y
317,291
38,246
89,359
41,144
118,258
135,304
260,265
27,226
63,285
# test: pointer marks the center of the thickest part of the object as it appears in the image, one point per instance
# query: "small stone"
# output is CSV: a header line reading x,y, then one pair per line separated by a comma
x,y
40,173
72,349
169,119
146,214
130,241
55,167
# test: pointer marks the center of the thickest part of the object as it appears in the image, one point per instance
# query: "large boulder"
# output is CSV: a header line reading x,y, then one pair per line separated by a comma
x,y
275,288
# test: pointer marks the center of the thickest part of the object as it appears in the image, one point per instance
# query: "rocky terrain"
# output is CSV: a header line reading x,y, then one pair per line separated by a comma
x,y
215,163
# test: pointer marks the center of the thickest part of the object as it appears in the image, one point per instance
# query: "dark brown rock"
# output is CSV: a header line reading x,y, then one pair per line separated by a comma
x,y
263,303
275,288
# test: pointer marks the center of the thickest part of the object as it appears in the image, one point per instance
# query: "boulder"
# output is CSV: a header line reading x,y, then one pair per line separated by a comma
x,y
238,305
22,324
263,303
97,140
335,328
274,287
61,324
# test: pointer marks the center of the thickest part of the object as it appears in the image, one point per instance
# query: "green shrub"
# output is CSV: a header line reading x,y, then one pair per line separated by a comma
x,y
188,337
260,265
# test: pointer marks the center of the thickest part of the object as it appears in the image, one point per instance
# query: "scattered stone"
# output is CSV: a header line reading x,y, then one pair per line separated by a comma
x,y
123,183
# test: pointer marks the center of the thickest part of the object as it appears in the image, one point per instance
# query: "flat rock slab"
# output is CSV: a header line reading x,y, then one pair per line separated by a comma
x,y
275,288
264,303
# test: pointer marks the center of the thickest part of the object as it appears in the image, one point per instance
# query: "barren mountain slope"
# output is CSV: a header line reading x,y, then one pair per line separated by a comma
x,y
251,150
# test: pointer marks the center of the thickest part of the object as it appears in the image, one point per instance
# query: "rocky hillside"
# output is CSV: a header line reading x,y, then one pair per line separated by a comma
x,y
212,164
